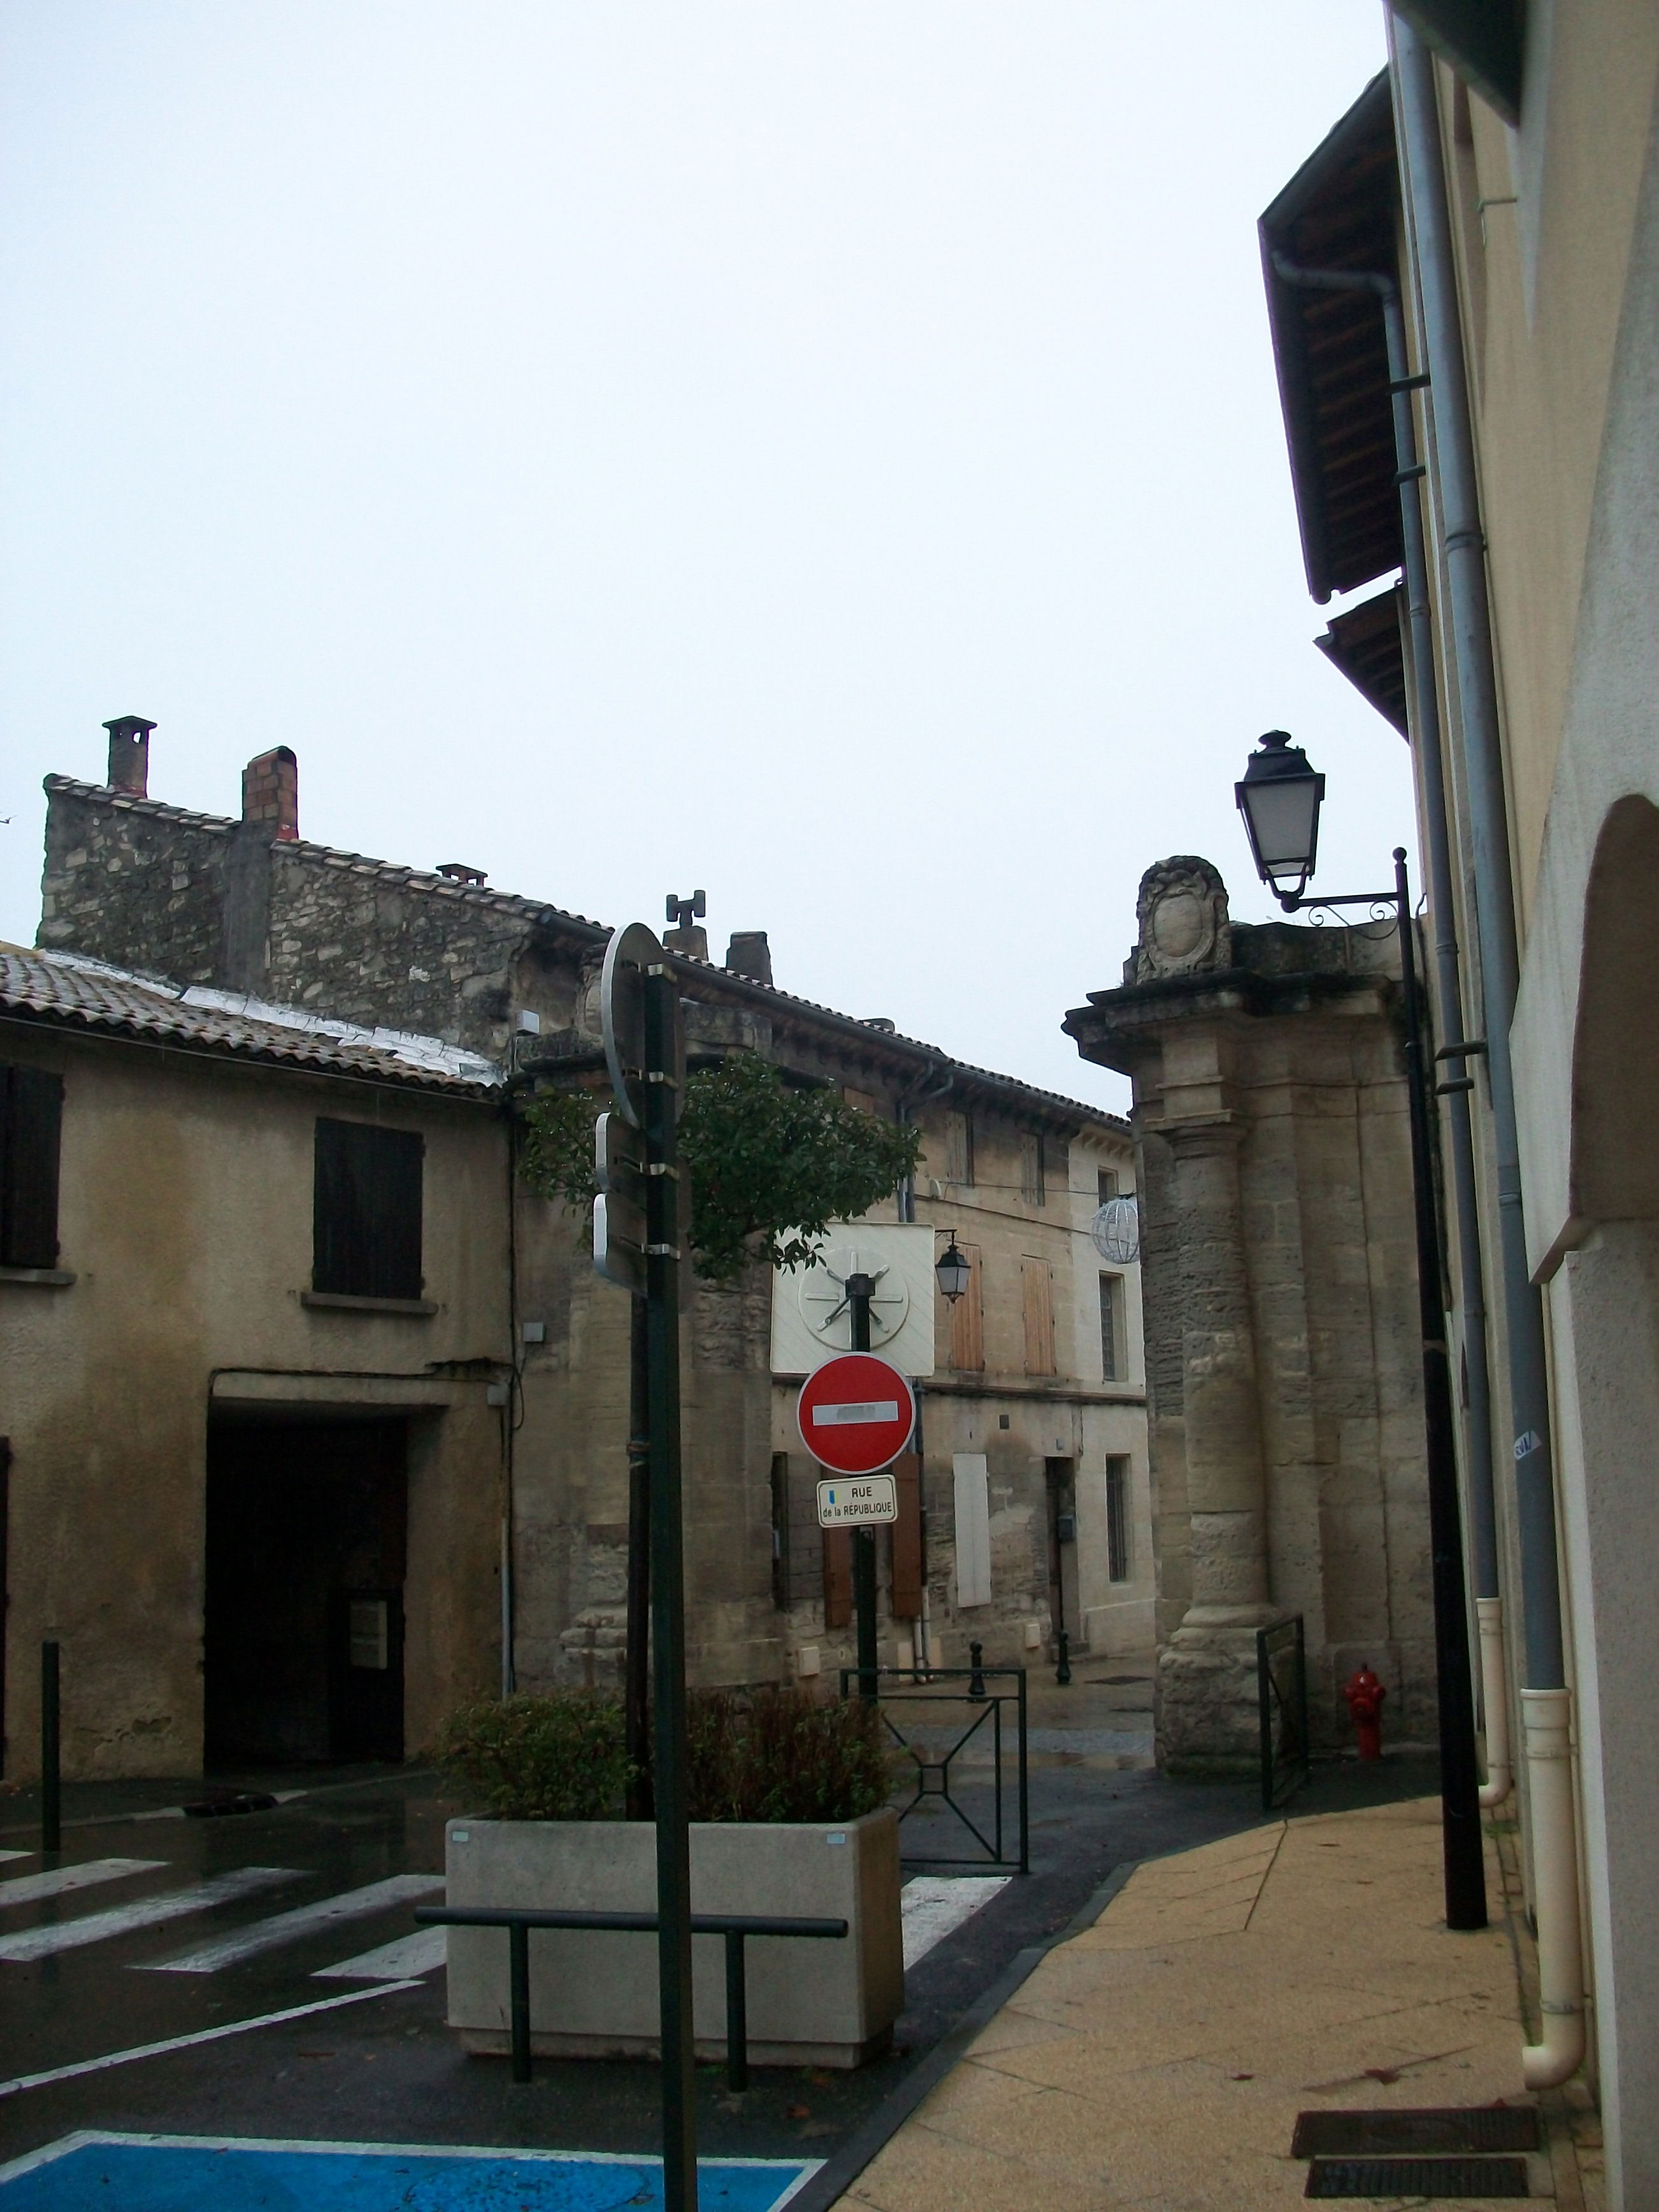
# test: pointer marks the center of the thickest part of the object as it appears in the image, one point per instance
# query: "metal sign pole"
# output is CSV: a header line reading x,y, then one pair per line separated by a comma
x,y
860,1290
665,1062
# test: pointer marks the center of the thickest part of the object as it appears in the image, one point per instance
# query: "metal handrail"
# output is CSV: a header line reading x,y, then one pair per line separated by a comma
x,y
735,1926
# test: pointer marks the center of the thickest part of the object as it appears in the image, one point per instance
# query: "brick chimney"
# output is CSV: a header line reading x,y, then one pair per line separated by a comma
x,y
749,954
270,794
129,754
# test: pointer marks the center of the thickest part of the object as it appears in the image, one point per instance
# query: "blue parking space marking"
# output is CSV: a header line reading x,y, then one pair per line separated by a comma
x,y
211,2173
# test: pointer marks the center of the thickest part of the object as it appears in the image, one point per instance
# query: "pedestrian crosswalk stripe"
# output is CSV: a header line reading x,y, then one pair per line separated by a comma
x,y
933,1907
418,1953
304,1920
57,1881
143,1912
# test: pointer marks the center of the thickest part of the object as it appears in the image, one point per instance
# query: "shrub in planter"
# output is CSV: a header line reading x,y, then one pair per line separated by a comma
x,y
754,1755
525,1758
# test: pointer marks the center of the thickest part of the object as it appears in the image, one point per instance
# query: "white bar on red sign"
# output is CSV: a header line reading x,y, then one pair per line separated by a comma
x,y
839,1416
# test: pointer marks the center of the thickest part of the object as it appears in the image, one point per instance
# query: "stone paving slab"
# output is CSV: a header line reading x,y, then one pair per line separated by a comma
x,y
1158,2058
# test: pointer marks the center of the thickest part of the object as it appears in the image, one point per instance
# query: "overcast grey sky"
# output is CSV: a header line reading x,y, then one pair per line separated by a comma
x,y
823,451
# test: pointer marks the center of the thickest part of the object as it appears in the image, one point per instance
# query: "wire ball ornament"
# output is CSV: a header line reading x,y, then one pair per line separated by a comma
x,y
1115,1231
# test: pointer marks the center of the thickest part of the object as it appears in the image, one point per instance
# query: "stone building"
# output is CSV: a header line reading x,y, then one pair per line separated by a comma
x,y
1032,1427
253,1312
1503,175
1282,1339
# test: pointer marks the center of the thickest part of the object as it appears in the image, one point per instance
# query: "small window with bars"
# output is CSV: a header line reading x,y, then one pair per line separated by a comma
x,y
366,1211
31,1129
1118,1560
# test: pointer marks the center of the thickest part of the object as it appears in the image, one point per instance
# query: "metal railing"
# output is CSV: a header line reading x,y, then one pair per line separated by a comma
x,y
735,1926
983,1724
1281,1677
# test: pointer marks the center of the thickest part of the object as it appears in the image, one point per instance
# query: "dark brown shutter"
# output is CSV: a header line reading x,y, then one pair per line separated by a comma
x,y
837,1577
33,1118
907,1539
366,1218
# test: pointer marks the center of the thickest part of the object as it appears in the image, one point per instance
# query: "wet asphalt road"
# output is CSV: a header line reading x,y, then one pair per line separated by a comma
x,y
385,2068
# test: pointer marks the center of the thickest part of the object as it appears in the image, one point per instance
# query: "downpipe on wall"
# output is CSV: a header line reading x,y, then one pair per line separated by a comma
x,y
1545,1701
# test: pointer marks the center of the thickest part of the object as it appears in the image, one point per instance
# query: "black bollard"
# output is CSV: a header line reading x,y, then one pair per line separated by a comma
x,y
976,1661
1063,1672
51,1809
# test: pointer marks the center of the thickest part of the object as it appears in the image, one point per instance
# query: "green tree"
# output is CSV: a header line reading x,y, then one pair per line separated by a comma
x,y
770,1165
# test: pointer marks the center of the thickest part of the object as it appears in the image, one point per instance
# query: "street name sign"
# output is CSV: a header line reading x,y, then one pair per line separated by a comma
x,y
856,1413
857,1501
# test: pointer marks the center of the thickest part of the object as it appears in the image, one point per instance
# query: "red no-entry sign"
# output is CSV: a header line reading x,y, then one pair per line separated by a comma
x,y
856,1413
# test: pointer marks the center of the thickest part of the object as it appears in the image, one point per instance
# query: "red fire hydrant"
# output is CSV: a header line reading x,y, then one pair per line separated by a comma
x,y
1364,1694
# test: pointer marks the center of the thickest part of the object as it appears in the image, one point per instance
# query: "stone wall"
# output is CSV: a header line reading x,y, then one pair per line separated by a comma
x,y
1279,1280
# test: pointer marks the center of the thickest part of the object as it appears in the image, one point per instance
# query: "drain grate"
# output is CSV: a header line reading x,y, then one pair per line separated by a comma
x,y
1416,2176
1446,2130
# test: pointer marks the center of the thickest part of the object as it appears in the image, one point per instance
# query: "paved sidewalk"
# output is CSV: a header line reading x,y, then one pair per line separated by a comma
x,y
1159,2058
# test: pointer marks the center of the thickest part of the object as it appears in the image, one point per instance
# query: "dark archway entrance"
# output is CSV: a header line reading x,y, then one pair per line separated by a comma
x,y
307,1528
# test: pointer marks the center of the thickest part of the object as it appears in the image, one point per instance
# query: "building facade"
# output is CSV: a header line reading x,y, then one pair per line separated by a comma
x,y
1502,181
1032,1428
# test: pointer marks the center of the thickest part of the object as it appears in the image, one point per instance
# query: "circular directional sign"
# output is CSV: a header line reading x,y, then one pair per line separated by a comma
x,y
856,1413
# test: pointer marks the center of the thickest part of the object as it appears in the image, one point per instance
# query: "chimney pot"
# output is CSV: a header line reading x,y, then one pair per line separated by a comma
x,y
129,754
270,794
749,954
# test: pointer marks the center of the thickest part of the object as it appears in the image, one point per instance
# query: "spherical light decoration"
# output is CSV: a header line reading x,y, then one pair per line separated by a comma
x,y
1115,1231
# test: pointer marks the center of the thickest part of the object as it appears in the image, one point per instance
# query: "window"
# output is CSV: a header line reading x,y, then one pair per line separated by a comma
x,y
1111,1329
366,1217
865,1101
959,1148
973,1528
1038,1289
797,1552
968,1319
31,1123
1107,1180
1117,1520
1033,1168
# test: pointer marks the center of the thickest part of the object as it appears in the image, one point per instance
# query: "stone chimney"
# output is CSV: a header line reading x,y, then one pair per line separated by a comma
x,y
749,954
270,794
129,754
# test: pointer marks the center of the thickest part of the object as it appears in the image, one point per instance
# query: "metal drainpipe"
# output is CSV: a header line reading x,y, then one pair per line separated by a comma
x,y
1425,719
1545,1702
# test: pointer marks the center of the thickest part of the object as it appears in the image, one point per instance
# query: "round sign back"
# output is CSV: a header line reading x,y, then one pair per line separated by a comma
x,y
857,1413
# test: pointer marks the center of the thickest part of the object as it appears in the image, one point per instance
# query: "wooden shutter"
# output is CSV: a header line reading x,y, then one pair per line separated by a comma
x,y
967,1319
973,1528
959,1148
1037,1288
837,1577
366,1220
33,1110
908,1568
1030,1168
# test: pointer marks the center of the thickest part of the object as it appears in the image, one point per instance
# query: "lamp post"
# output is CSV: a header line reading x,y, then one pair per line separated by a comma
x,y
1280,797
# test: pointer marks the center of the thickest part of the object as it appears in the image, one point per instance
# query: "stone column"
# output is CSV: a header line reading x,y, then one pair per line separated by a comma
x,y
1207,1672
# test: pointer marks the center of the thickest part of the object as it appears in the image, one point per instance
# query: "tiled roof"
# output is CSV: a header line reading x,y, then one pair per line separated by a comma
x,y
726,982
64,989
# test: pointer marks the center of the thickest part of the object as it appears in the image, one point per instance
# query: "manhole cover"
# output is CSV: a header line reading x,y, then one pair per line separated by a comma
x,y
1448,2130
1416,2176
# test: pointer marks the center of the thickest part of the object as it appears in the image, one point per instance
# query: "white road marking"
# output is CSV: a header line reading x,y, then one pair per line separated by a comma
x,y
145,1912
932,1907
419,1953
184,2042
25,1888
304,1920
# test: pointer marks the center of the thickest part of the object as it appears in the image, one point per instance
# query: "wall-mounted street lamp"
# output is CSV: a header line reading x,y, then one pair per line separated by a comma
x,y
1279,799
1280,796
953,1270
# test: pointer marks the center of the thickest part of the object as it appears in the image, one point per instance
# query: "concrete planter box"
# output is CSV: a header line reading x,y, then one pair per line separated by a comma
x,y
594,1994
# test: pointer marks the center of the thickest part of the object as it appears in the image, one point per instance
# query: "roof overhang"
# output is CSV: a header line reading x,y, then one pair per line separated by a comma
x,y
1366,643
1339,211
